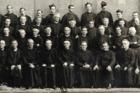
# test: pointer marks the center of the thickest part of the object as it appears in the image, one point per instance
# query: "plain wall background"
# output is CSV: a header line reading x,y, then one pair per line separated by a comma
x,y
128,6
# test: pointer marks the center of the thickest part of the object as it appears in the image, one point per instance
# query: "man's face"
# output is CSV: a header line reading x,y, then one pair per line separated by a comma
x,y
35,31
132,31
67,44
8,22
67,30
121,22
39,13
71,8
23,20
2,44
105,47
105,21
48,31
84,31
137,21
48,44
119,15
22,33
84,46
38,20
118,31
91,24
56,18
30,43
72,23
135,15
125,44
9,9
6,31
101,30
53,9
14,44
22,11
88,7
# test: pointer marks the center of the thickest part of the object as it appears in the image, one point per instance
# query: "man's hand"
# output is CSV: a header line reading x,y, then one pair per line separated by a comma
x,y
117,66
12,67
71,65
19,67
86,66
137,71
125,68
96,67
32,65
65,64
52,65
44,65
109,68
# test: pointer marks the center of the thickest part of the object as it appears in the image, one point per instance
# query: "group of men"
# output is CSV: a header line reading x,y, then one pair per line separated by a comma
x,y
53,52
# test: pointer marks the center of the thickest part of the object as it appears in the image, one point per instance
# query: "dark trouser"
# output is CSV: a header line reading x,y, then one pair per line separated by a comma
x,y
31,77
95,79
16,78
124,78
68,74
106,78
48,77
86,78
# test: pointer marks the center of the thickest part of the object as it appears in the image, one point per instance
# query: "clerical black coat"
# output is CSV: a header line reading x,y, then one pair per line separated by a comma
x,y
86,17
67,17
102,15
14,19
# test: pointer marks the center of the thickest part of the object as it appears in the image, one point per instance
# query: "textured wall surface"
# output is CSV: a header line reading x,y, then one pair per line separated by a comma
x,y
128,6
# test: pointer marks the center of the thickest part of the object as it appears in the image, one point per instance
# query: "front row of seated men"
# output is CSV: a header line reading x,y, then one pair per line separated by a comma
x,y
47,67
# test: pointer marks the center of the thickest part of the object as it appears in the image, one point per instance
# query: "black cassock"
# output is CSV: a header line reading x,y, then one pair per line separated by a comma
x,y
31,75
125,59
84,57
15,58
68,16
48,73
67,71
105,59
86,17
3,66
101,15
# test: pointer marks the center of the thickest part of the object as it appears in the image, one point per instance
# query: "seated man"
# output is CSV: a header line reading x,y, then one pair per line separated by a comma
x,y
125,60
66,57
133,38
106,60
84,64
48,59
30,66
14,59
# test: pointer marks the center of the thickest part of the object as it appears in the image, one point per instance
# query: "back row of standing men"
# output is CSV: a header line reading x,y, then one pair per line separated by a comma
x,y
49,52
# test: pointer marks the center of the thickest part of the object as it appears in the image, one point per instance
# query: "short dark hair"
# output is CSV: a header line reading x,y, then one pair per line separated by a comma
x,y
88,3
52,5
69,6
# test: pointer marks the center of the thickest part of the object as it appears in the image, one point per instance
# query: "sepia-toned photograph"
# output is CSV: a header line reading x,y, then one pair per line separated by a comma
x,y
69,46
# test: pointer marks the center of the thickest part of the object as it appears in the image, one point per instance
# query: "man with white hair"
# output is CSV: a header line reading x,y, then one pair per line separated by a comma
x,y
30,66
56,25
133,38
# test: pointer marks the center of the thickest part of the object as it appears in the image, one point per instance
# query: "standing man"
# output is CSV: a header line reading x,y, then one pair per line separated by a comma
x,y
102,14
88,15
69,15
11,15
